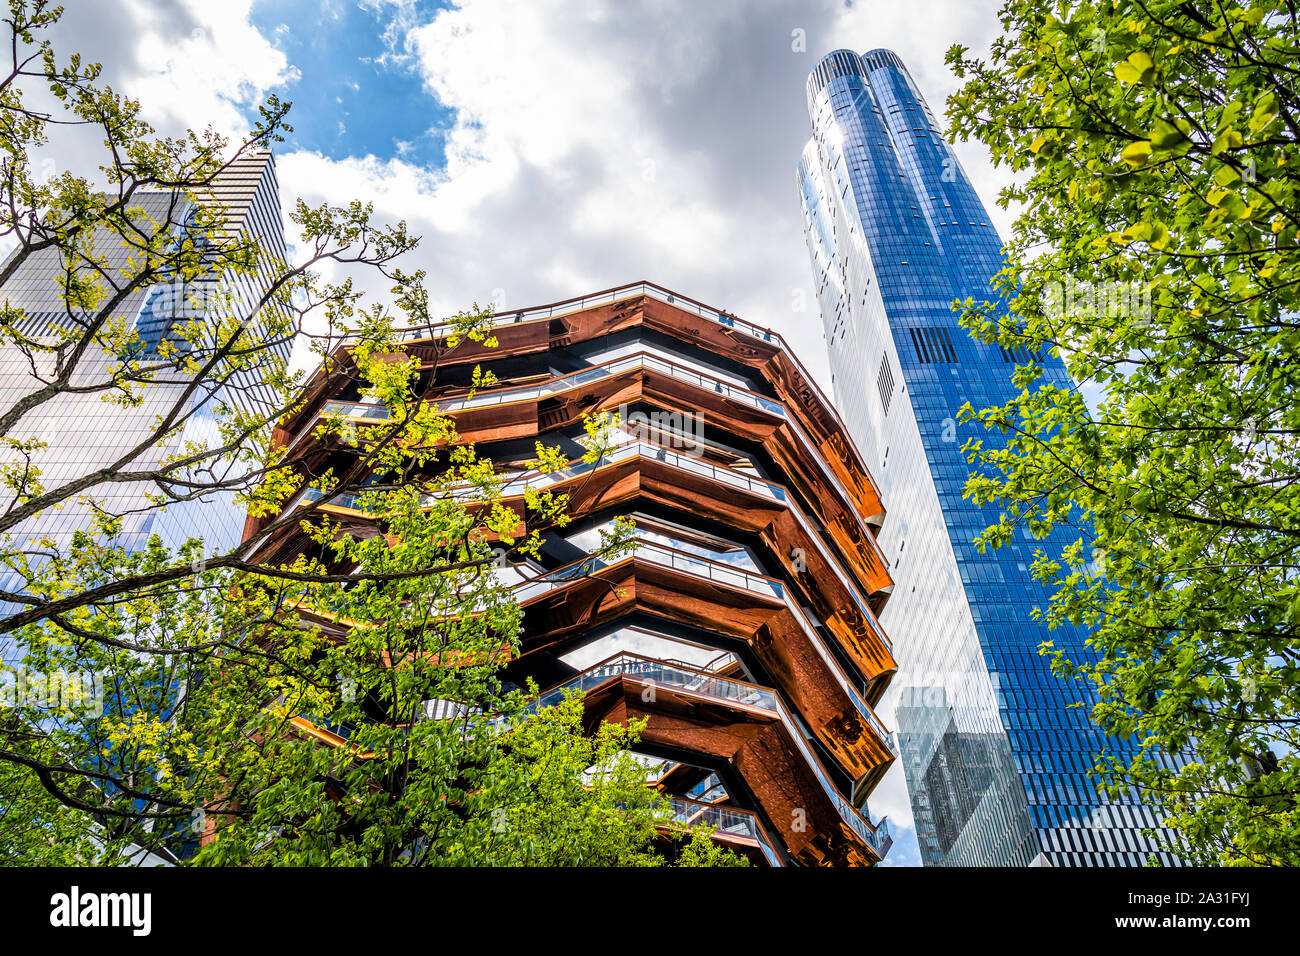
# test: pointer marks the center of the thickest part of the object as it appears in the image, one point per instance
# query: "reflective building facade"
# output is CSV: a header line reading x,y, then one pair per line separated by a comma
x,y
995,759
87,431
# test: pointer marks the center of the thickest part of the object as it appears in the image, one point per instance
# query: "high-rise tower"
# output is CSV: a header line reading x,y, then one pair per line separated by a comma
x,y
83,428
65,366
85,431
995,758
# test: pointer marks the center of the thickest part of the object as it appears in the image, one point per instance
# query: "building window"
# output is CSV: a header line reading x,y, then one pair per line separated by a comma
x,y
933,345
885,382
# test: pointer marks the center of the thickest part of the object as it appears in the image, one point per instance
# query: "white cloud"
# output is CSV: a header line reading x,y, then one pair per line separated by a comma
x,y
595,143
211,76
601,143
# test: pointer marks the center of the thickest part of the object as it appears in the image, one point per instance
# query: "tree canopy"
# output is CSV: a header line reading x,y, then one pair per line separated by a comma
x,y
191,702
1154,149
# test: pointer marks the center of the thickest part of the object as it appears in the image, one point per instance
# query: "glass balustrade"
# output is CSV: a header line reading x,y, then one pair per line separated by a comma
x,y
723,820
661,674
361,410
710,787
710,685
351,500
356,410
883,839
552,579
701,567
848,813
656,292
378,412
725,574
842,680
692,564
610,296
342,729
683,373
516,487
664,557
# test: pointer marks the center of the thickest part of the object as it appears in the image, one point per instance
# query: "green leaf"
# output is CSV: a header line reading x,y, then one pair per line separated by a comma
x,y
1138,68
1226,176
1228,139
1138,230
1165,136
1232,206
1265,111
1136,153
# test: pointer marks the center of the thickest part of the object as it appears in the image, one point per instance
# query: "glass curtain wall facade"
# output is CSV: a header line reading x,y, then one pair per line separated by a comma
x,y
995,759
83,431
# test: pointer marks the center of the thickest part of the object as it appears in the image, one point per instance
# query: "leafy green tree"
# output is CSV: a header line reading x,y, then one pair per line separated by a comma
x,y
1154,151
223,708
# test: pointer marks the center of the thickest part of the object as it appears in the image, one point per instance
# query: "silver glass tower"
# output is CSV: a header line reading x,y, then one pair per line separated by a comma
x,y
995,759
83,428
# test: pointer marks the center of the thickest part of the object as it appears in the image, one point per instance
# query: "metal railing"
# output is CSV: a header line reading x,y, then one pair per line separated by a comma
x,y
719,663
370,412
608,297
664,557
661,674
343,729
884,839
710,685
562,383
724,820
725,574
712,570
356,410
848,813
686,304
440,708
351,500
626,664
710,785
516,487
842,679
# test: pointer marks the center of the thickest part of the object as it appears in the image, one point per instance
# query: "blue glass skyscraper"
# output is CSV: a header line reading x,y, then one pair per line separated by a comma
x,y
995,758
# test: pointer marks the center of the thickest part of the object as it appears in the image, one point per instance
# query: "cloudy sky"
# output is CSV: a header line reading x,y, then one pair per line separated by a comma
x,y
546,148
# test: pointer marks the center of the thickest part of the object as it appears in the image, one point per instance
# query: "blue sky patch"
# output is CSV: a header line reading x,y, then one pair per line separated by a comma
x,y
359,93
